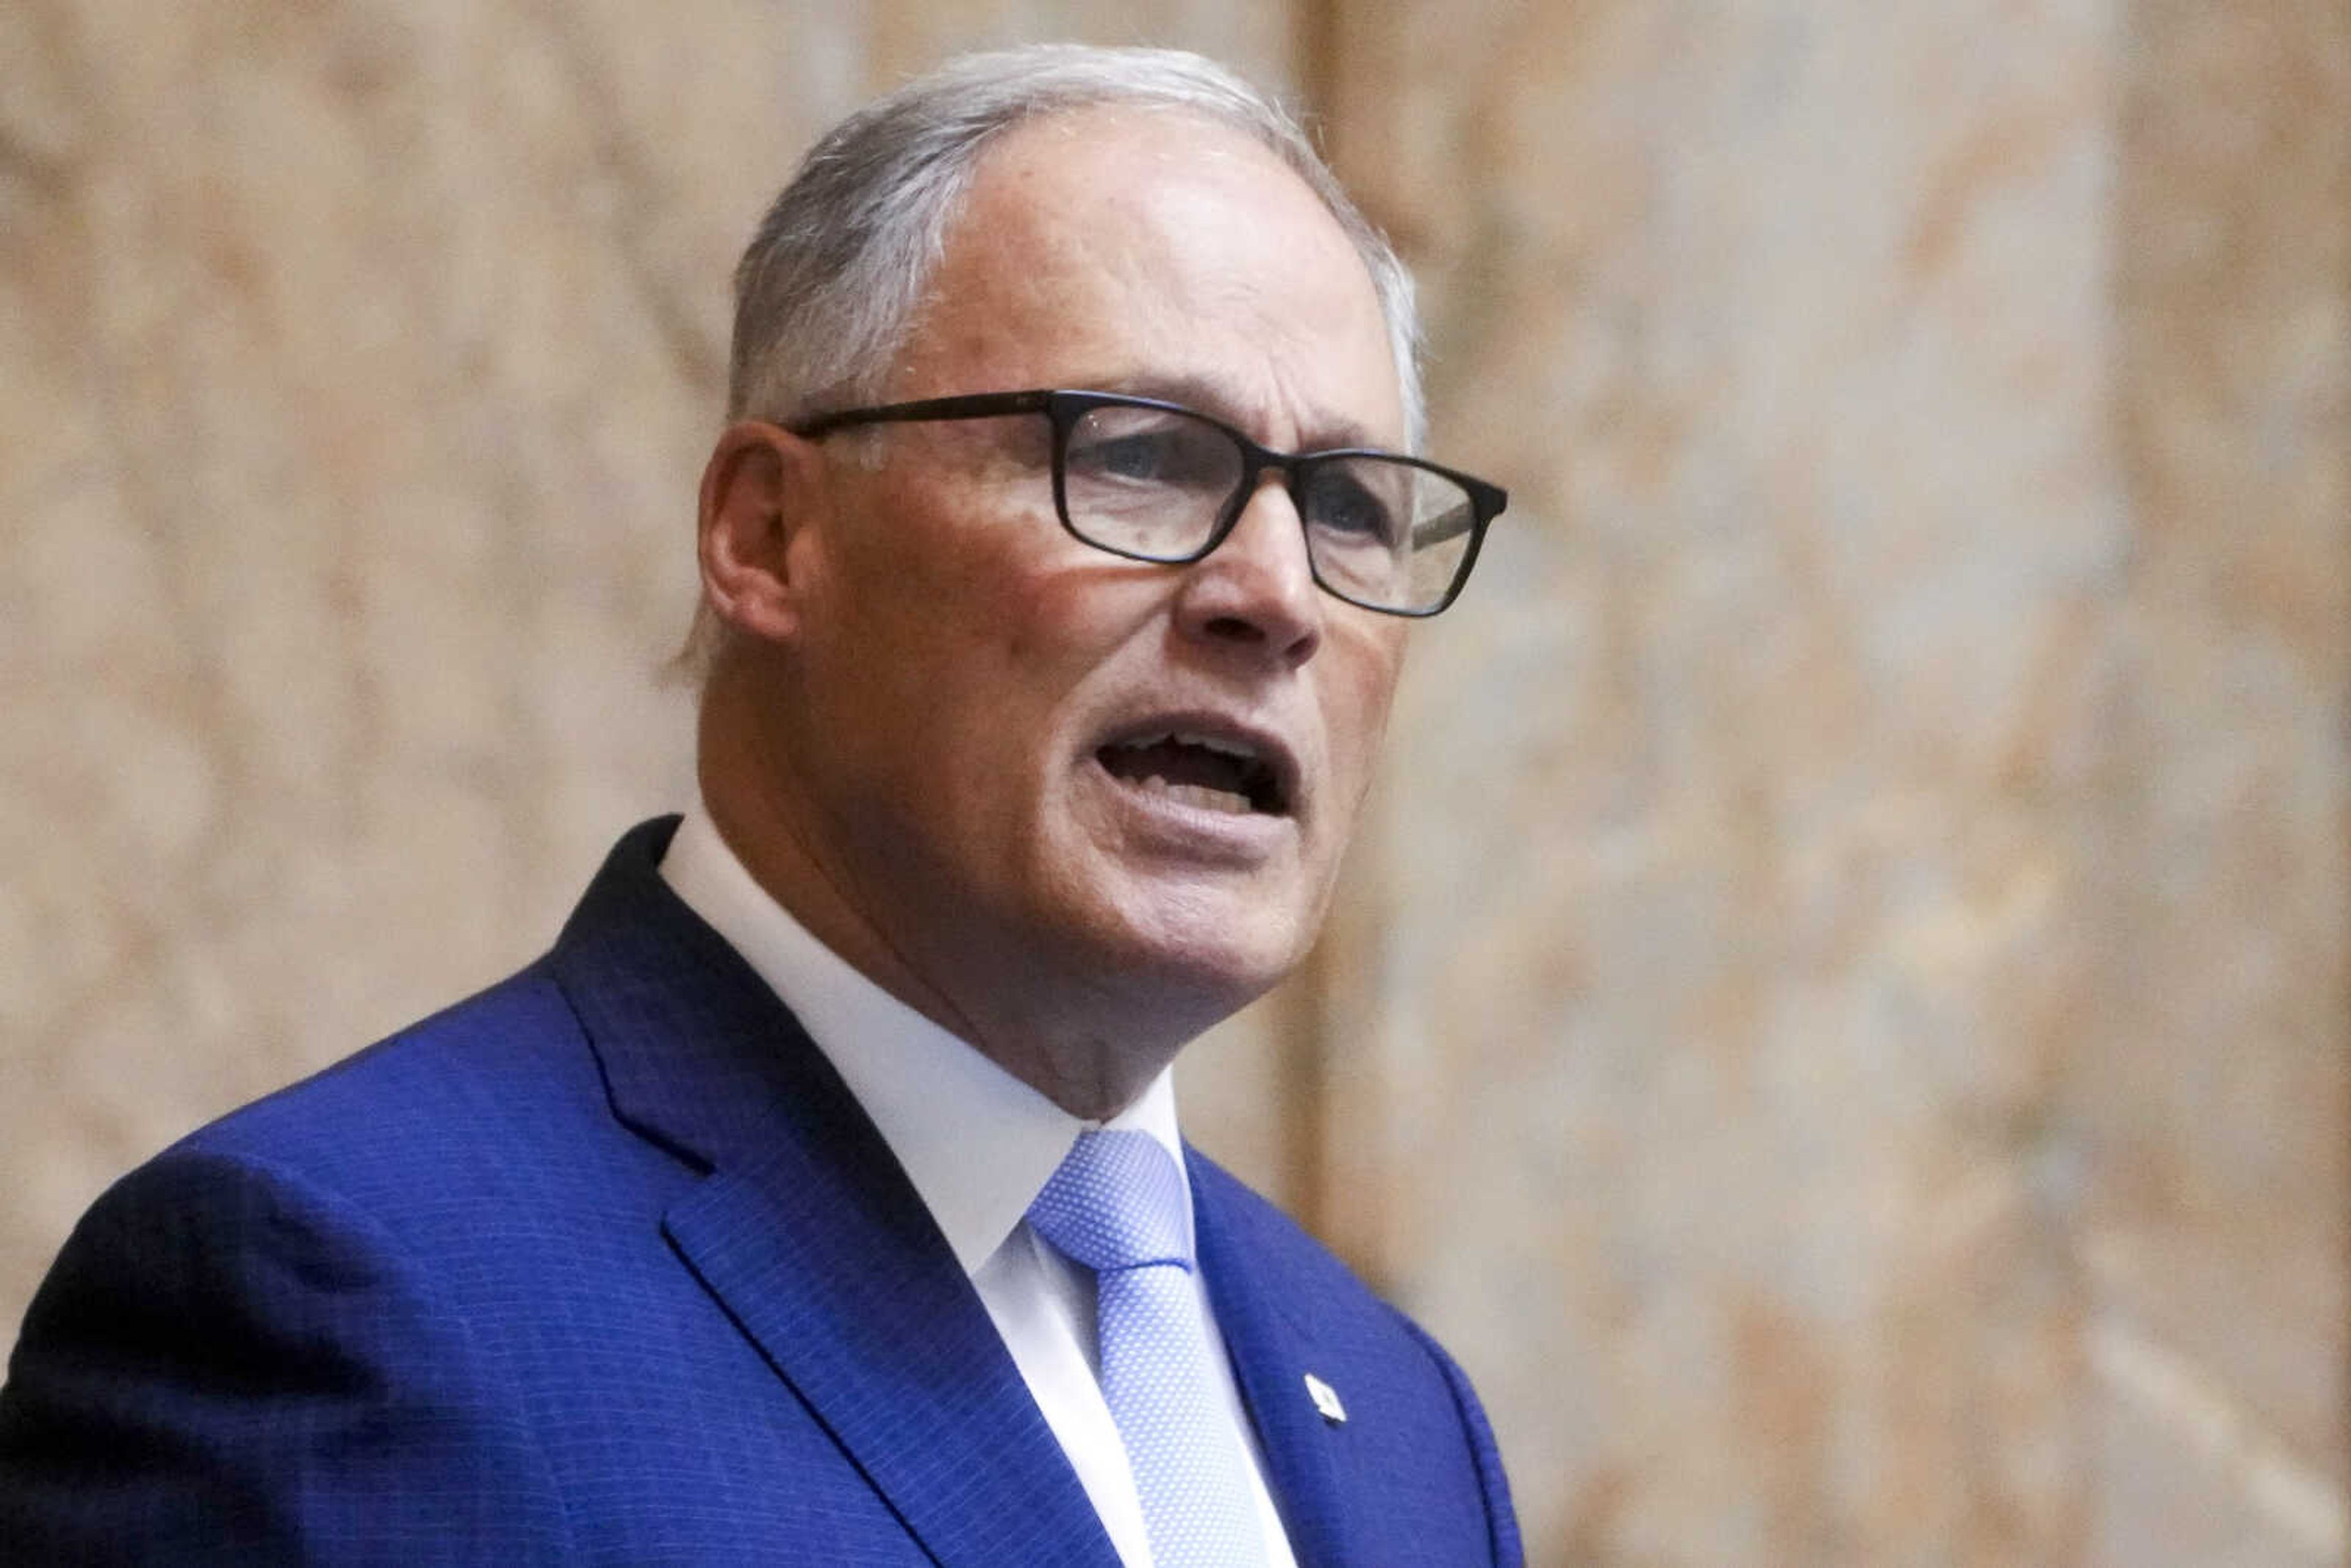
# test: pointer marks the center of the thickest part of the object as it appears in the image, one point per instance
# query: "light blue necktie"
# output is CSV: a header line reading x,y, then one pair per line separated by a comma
x,y
1116,1205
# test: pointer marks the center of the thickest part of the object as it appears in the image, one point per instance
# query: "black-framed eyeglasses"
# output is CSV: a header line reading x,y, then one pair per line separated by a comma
x,y
1156,481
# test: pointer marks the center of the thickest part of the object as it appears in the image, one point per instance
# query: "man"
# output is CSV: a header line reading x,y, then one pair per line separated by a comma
x,y
818,1197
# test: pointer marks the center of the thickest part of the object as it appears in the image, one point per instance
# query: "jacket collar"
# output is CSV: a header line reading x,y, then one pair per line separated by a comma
x,y
808,1232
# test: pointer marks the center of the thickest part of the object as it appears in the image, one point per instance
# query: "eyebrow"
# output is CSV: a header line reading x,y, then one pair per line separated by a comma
x,y
1214,398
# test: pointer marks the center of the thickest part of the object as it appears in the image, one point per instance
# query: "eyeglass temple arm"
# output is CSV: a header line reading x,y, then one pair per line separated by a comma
x,y
1451,526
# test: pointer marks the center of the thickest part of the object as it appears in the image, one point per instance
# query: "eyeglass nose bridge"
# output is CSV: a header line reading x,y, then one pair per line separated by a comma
x,y
1255,461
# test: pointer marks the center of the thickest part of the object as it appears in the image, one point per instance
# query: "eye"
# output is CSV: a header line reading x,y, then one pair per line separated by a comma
x,y
1148,446
1353,506
1144,456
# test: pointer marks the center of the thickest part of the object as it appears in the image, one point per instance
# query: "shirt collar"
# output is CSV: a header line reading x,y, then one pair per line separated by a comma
x,y
978,1142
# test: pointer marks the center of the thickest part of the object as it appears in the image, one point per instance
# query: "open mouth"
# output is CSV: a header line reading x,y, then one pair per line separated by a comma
x,y
1217,773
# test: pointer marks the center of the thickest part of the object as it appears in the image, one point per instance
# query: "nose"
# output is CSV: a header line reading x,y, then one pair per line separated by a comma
x,y
1255,592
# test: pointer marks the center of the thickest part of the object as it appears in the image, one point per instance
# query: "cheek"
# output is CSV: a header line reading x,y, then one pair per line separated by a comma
x,y
925,598
1063,617
1365,669
995,653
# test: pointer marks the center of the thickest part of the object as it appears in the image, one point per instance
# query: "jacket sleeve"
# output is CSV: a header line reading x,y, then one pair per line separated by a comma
x,y
228,1365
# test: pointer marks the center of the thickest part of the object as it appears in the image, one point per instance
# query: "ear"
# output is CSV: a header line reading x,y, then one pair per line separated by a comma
x,y
760,489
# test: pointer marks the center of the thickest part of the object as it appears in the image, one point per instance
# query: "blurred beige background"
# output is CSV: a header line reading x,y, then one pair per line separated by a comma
x,y
1841,1021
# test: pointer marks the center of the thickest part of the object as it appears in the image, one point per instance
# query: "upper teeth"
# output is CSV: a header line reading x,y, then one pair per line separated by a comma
x,y
1239,749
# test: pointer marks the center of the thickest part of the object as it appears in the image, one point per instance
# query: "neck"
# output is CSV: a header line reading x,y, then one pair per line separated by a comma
x,y
1083,1051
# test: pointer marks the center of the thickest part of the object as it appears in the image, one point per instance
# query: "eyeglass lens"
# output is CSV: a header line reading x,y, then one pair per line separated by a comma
x,y
1155,482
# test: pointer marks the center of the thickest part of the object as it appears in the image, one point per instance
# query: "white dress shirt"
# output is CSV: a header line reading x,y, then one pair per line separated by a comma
x,y
977,1144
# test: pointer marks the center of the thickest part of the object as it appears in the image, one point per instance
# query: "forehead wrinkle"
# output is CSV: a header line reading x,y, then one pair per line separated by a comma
x,y
1220,398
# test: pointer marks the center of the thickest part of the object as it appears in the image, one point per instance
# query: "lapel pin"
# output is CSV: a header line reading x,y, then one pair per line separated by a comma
x,y
1326,1400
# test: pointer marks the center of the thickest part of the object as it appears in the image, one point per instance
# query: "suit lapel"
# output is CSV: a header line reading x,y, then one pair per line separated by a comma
x,y
876,1328
1268,1332
810,1234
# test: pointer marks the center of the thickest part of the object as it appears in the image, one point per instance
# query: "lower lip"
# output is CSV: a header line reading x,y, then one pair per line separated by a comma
x,y
1200,832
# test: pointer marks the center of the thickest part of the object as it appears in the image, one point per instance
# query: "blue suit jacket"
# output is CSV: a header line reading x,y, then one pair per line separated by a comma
x,y
605,1265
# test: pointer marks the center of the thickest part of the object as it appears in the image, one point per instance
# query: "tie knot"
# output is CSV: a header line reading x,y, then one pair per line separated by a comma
x,y
1116,1201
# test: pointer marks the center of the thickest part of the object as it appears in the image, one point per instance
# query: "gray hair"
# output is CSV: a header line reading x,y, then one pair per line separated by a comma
x,y
830,284
832,281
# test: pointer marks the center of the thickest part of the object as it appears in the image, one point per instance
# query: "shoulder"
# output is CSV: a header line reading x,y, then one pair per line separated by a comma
x,y
371,1263
469,1163
497,1097
512,1049
223,1317
341,1183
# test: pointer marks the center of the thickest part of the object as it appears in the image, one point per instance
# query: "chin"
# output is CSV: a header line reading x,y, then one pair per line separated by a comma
x,y
1189,933
1228,952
